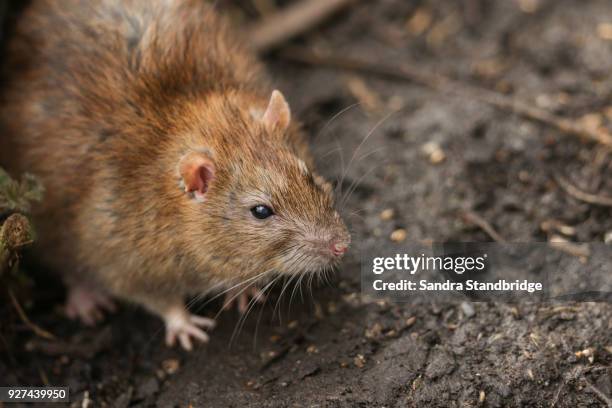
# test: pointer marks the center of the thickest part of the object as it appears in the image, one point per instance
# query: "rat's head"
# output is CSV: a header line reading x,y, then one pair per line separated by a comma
x,y
252,203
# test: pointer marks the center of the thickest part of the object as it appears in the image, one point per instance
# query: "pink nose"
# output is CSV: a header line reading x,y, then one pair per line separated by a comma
x,y
338,249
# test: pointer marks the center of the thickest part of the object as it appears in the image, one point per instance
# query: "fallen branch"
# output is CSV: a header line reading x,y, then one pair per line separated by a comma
x,y
444,84
282,26
583,195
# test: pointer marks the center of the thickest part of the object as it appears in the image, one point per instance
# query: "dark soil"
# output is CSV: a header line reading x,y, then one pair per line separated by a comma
x,y
339,348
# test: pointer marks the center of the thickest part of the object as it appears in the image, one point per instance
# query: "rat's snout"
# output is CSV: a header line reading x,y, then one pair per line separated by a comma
x,y
338,248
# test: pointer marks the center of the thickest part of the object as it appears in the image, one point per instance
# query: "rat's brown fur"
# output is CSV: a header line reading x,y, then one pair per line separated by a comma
x,y
103,98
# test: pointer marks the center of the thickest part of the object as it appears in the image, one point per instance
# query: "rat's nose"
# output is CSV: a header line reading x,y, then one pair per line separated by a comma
x,y
338,248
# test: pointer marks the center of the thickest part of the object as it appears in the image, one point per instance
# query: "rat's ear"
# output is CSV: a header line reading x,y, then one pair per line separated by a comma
x,y
197,171
277,115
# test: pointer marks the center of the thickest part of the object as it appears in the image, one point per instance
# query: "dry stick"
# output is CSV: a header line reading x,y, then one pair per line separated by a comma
x,y
444,84
22,315
599,393
282,26
583,195
477,220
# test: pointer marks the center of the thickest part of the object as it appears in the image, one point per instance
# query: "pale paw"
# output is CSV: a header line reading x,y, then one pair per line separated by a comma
x,y
184,326
88,305
242,298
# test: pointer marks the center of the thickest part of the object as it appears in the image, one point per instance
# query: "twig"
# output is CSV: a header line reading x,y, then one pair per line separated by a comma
x,y
447,85
480,222
576,372
599,393
572,248
25,319
282,26
583,195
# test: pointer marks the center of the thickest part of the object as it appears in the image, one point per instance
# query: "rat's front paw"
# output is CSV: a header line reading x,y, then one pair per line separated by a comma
x,y
242,298
183,325
87,305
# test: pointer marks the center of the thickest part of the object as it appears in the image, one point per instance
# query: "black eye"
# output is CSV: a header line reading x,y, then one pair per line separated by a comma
x,y
261,211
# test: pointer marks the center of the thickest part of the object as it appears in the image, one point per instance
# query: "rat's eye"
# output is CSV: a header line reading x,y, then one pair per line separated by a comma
x,y
261,211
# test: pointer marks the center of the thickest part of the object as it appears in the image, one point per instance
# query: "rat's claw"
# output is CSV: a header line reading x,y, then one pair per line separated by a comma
x,y
88,305
183,326
242,298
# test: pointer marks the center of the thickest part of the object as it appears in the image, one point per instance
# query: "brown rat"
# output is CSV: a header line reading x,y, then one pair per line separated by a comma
x,y
170,167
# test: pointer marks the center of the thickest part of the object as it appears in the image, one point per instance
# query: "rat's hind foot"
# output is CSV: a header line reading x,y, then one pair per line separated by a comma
x,y
182,325
87,305
242,298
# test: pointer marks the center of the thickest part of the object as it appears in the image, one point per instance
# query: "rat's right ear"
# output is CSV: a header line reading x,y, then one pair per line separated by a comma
x,y
277,115
197,171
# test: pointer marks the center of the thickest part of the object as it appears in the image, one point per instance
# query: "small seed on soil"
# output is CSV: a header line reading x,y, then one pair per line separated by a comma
x,y
293,324
481,397
529,6
592,121
399,235
171,366
374,331
387,214
604,31
524,176
391,333
588,353
410,321
419,22
608,237
312,349
434,152
368,98
359,360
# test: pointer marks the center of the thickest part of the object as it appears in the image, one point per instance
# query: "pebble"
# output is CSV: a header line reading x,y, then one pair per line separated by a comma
x,y
387,214
359,360
604,31
434,152
468,309
312,349
399,235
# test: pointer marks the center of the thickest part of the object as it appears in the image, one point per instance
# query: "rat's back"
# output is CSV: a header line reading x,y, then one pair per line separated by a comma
x,y
86,71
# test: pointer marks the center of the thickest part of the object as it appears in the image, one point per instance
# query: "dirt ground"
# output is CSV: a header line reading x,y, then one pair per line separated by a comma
x,y
429,157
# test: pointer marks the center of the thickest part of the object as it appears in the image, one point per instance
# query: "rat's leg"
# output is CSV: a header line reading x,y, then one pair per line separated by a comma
x,y
182,325
87,304
242,297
